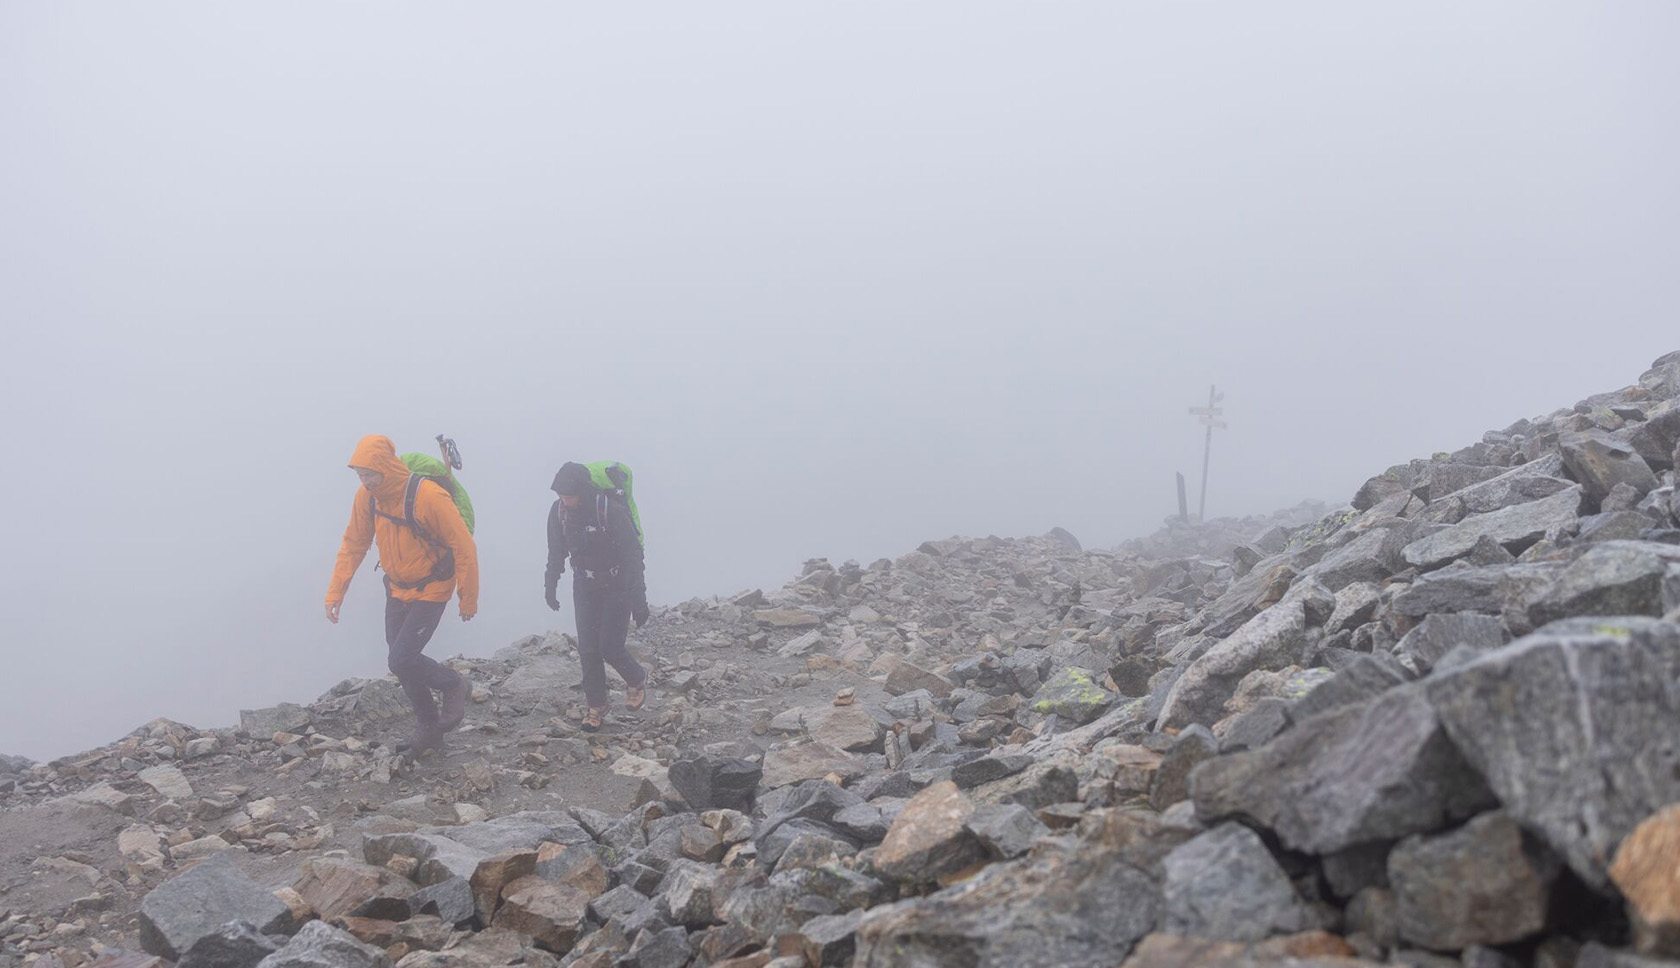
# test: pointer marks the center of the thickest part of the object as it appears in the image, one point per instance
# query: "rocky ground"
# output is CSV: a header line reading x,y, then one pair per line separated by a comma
x,y
1437,726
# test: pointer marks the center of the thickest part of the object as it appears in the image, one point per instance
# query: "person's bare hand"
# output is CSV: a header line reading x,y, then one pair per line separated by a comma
x,y
332,612
467,616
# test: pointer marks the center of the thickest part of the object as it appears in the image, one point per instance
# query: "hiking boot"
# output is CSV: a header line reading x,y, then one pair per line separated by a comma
x,y
424,740
455,703
592,719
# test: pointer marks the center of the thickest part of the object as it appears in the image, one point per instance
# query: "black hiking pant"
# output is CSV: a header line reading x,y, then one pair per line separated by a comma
x,y
603,621
408,627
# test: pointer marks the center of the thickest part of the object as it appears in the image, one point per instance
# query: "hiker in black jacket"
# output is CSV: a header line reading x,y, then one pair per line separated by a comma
x,y
609,587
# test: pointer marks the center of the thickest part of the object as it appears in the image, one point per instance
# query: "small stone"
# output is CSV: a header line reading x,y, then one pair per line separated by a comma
x,y
1647,872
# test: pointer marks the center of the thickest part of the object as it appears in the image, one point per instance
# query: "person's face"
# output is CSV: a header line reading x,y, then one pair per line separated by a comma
x,y
571,500
370,478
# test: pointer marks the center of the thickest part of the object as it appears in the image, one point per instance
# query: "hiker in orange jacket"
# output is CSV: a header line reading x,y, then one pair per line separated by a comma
x,y
426,552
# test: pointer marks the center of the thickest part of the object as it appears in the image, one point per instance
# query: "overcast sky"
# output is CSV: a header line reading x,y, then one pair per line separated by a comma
x,y
834,279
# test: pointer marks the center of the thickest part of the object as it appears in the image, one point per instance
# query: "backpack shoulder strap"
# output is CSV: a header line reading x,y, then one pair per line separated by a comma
x,y
409,494
601,509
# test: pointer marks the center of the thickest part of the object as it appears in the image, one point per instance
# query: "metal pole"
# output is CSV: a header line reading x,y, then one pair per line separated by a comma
x,y
1183,505
1207,451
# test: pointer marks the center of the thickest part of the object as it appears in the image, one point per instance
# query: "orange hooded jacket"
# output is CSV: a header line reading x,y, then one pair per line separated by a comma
x,y
405,555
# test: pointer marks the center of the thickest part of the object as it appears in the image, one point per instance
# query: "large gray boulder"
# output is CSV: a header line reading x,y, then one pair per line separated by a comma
x,y
1273,639
1485,883
1076,907
1264,585
198,903
1225,885
1377,770
1513,528
1575,729
1612,578
1600,462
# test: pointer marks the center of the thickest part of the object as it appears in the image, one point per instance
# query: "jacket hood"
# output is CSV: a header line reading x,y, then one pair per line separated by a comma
x,y
376,453
572,478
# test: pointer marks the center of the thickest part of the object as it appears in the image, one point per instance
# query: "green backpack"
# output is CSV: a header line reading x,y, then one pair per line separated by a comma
x,y
431,467
615,477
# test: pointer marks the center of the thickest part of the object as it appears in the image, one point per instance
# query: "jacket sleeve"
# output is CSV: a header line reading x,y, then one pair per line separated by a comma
x,y
435,511
358,535
628,549
557,549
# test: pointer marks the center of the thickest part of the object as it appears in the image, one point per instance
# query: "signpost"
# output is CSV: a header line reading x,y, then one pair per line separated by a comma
x,y
1209,417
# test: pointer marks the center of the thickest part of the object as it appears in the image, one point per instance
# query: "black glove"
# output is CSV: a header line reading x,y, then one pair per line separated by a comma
x,y
550,597
639,612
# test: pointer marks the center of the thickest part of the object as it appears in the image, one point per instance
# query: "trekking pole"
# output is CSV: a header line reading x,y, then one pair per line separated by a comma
x,y
451,454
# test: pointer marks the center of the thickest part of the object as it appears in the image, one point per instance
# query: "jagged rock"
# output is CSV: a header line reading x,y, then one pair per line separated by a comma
x,y
264,723
1046,781
1064,907
381,700
176,914
1260,589
169,782
1484,883
495,873
335,886
1524,483
1585,779
1439,633
618,902
1362,679
1256,727
1614,525
451,901
1189,749
1006,830
930,839
1647,872
1356,604
1074,695
1273,639
786,618
1371,557
1514,527
1376,770
716,782
1613,578
237,944
553,914
1225,885
807,761
1503,590
686,894
1600,462
907,677
319,945
849,728
1312,949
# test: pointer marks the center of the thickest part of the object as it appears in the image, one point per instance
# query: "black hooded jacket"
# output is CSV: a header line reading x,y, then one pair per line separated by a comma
x,y
601,540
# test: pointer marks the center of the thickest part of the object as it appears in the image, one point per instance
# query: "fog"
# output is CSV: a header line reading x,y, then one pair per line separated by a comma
x,y
834,279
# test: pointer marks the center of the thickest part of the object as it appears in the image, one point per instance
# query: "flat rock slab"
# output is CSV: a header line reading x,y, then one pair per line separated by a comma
x,y
320,945
1573,727
1271,640
168,781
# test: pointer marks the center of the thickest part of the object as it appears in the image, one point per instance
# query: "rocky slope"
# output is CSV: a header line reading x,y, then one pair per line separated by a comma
x,y
1437,726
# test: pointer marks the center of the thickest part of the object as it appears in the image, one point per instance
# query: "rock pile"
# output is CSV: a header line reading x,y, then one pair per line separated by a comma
x,y
1438,726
